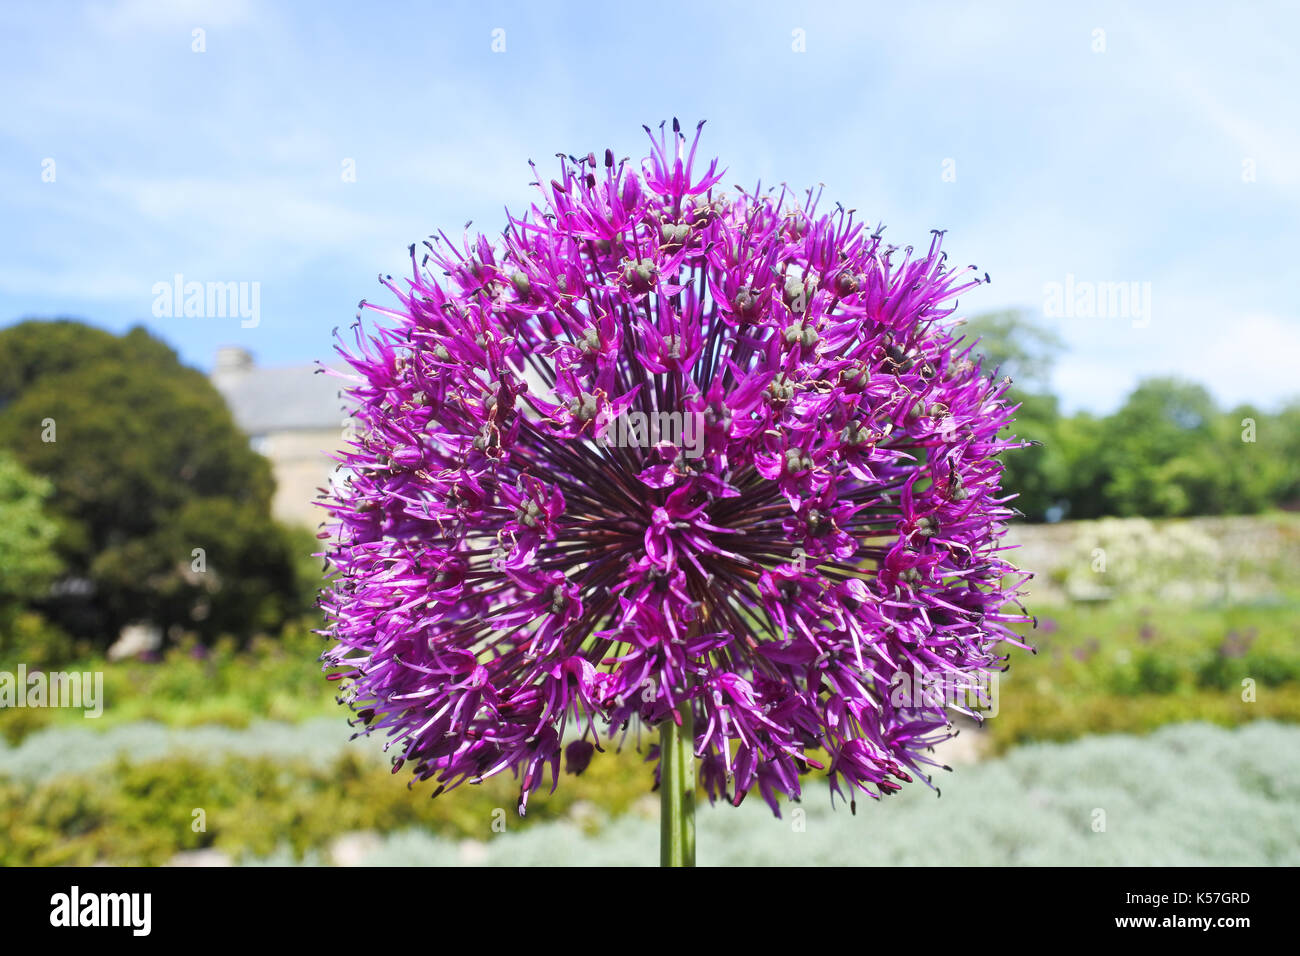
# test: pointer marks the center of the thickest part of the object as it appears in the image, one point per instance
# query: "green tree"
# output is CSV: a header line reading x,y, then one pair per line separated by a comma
x,y
147,465
1269,447
1157,452
1168,450
1014,346
1038,473
28,563
1083,488
1009,344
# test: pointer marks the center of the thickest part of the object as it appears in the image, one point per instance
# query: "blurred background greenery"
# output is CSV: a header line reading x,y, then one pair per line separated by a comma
x,y
1166,598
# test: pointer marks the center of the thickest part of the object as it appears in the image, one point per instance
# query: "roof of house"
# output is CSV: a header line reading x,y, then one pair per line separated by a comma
x,y
281,399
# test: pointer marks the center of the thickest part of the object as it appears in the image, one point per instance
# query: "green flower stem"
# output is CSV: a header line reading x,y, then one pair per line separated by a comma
x,y
677,790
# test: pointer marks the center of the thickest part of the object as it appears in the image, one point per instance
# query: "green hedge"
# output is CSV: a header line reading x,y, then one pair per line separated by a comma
x,y
143,813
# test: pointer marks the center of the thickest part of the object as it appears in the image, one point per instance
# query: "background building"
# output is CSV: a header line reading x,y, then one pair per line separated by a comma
x,y
294,416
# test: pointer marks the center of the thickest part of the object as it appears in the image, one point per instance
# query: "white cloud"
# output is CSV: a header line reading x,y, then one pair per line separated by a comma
x,y
1248,358
135,16
259,210
79,286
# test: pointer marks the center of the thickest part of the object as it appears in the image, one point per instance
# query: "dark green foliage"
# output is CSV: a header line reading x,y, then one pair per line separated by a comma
x,y
146,466
27,534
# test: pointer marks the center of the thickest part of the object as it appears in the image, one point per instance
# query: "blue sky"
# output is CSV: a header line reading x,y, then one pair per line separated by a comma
x,y
1164,151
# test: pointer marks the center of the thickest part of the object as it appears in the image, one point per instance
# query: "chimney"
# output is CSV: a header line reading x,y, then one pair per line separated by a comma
x,y
233,358
232,364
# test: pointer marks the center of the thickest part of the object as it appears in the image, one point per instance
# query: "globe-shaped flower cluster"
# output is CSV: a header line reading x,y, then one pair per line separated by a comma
x,y
659,449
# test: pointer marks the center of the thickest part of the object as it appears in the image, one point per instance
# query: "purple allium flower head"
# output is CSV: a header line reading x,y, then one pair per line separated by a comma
x,y
662,448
